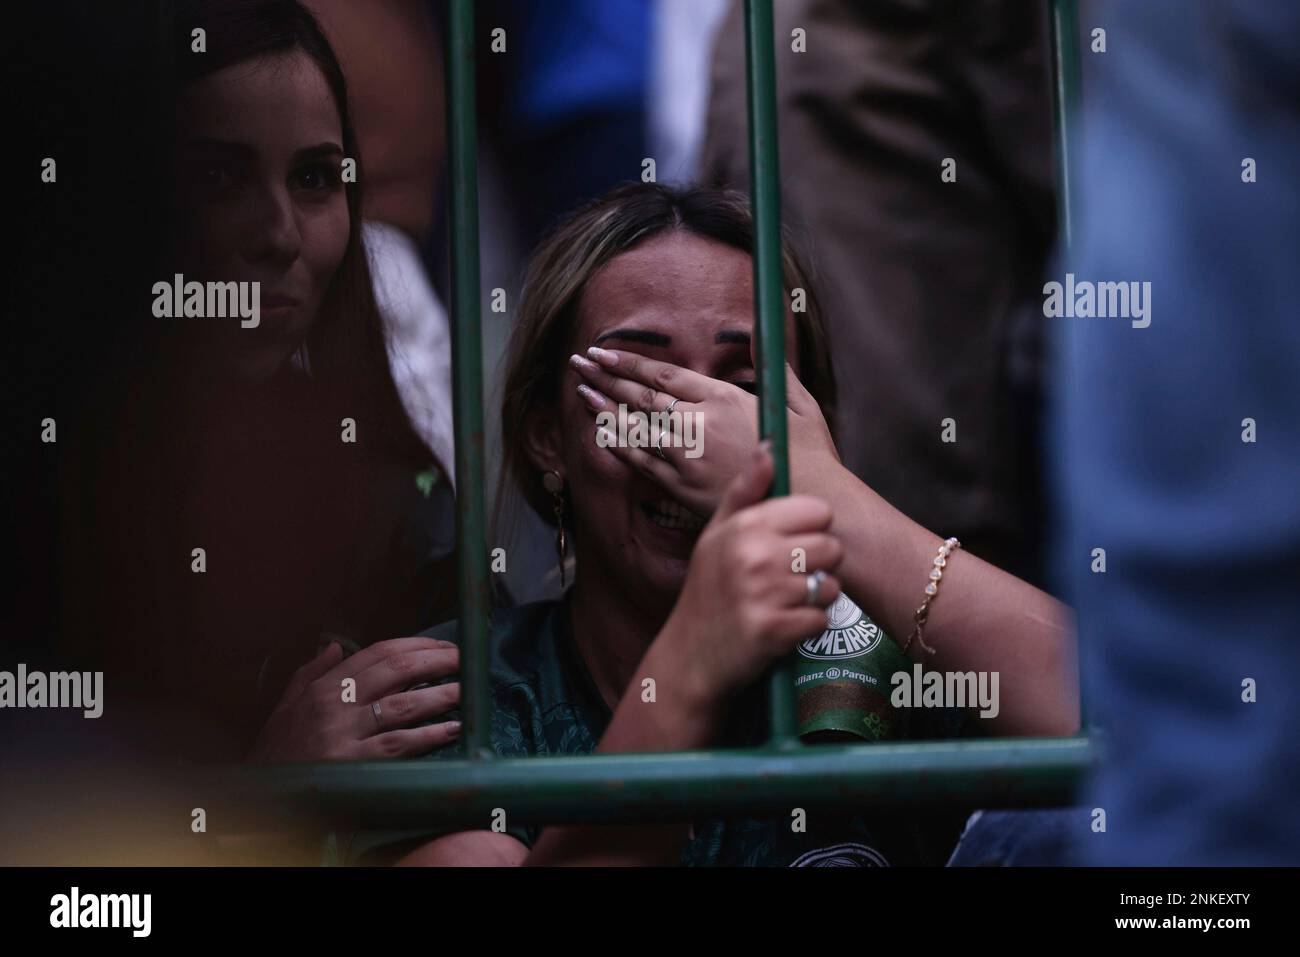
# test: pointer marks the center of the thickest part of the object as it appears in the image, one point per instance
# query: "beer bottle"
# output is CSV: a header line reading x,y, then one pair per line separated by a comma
x,y
842,680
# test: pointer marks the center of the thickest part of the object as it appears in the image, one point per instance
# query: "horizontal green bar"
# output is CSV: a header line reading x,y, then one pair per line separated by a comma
x,y
603,788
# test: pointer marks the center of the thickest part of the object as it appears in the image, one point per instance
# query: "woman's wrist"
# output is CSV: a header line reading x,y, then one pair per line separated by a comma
x,y
824,478
695,706
886,554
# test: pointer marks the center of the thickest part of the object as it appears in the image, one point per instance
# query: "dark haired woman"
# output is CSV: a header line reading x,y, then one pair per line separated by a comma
x,y
685,576
260,490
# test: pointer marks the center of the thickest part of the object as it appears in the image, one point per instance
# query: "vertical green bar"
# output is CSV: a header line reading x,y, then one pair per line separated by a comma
x,y
1065,104
467,378
769,294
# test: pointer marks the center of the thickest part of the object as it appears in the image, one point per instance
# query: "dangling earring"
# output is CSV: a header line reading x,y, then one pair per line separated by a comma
x,y
552,482
301,360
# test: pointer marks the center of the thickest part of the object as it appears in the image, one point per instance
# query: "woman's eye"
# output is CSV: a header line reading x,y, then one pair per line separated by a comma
x,y
315,179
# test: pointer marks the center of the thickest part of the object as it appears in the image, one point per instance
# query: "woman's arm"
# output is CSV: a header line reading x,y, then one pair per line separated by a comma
x,y
676,721
983,619
468,849
681,718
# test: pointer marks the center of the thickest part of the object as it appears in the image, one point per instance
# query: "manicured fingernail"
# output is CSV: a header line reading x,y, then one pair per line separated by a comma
x,y
591,395
453,728
603,356
581,364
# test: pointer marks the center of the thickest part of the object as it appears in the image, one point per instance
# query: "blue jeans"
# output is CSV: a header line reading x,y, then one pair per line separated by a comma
x,y
1010,838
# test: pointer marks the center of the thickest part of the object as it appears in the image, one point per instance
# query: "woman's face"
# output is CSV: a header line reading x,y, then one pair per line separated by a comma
x,y
260,199
678,298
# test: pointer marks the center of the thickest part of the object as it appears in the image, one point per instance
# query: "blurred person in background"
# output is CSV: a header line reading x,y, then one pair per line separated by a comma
x,y
930,287
566,103
682,58
1179,442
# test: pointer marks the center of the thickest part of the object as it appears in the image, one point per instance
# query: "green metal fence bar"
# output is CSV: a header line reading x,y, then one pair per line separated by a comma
x,y
620,787
467,377
769,297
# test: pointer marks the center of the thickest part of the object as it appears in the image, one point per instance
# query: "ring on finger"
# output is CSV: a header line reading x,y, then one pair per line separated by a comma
x,y
671,406
378,713
813,583
658,444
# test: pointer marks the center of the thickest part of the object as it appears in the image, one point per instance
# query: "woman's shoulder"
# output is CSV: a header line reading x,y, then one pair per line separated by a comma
x,y
534,704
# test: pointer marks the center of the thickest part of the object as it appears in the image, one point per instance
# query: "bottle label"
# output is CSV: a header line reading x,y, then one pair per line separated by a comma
x,y
849,633
842,677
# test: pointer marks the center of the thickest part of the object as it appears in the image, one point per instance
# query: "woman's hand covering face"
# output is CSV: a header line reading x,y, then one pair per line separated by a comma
x,y
714,424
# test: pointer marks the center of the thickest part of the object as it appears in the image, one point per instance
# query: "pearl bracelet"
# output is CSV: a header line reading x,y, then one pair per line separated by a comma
x,y
932,589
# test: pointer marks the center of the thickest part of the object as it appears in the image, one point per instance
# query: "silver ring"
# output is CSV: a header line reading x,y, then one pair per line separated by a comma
x,y
814,585
376,711
669,410
658,444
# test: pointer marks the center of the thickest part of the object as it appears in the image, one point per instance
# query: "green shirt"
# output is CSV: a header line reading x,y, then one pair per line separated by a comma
x,y
544,702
